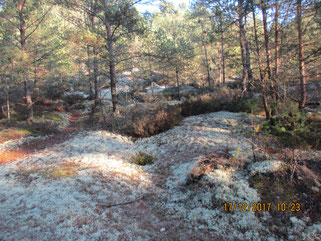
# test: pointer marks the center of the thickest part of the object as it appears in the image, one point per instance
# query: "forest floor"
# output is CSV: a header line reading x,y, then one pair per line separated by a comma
x,y
80,185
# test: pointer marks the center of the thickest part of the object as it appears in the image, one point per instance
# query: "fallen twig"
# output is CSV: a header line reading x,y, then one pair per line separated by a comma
x,y
120,204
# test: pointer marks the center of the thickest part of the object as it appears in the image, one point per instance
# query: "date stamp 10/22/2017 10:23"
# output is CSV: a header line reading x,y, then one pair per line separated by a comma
x,y
259,207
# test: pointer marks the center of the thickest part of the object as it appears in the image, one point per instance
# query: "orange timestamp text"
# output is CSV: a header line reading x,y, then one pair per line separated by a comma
x,y
259,207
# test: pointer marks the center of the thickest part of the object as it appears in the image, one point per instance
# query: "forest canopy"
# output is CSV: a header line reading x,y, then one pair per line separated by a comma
x,y
266,46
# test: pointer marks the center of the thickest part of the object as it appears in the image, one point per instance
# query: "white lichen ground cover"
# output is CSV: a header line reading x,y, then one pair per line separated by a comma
x,y
60,192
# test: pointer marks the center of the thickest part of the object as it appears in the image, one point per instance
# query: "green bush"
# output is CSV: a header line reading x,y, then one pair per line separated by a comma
x,y
54,91
247,105
294,129
142,159
44,127
73,99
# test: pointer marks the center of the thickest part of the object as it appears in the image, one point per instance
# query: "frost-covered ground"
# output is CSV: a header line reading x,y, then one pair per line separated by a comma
x,y
61,193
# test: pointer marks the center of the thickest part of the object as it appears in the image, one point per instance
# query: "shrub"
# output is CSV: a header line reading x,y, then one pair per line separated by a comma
x,y
142,159
247,105
225,99
159,120
18,112
73,99
294,129
141,120
44,127
54,91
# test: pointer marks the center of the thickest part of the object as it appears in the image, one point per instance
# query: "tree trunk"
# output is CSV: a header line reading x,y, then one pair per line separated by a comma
x,y
7,99
222,47
262,79
91,90
35,53
247,56
96,80
95,63
271,85
242,43
112,67
177,83
28,99
277,46
206,58
223,59
91,24
266,39
209,80
22,30
222,50
301,57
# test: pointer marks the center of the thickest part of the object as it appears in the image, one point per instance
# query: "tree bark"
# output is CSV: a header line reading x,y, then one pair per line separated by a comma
x,y
7,99
222,48
35,53
177,83
266,39
112,66
262,79
91,90
276,37
87,16
247,56
96,80
206,58
301,57
271,85
22,30
242,44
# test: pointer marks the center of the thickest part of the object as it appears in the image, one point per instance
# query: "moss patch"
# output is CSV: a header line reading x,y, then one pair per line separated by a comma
x,y
142,159
63,172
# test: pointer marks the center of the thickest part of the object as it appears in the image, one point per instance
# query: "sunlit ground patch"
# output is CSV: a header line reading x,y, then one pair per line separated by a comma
x,y
63,172
8,156
12,134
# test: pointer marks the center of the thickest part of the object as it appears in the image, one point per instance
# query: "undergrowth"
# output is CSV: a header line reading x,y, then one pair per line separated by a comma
x,y
139,121
142,159
295,129
225,100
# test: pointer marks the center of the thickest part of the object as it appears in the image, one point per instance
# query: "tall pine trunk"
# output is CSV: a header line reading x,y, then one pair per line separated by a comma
x,y
87,17
206,58
266,40
7,99
96,80
301,57
276,39
90,79
112,67
222,48
262,79
177,83
247,56
271,85
22,30
242,44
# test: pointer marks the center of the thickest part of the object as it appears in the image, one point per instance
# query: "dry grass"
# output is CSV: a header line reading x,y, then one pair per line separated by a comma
x,y
63,172
142,121
211,162
13,134
8,156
